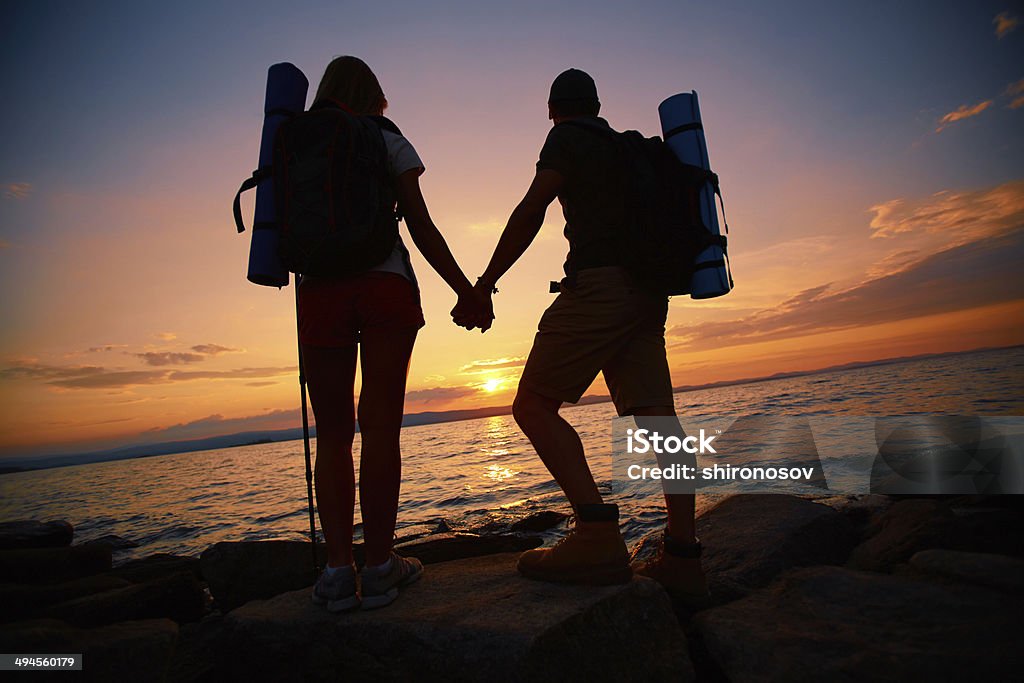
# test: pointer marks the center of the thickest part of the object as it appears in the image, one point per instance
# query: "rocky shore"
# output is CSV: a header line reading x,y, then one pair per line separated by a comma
x,y
845,588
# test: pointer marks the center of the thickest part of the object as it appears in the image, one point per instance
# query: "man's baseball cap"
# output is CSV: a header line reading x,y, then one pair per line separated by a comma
x,y
573,84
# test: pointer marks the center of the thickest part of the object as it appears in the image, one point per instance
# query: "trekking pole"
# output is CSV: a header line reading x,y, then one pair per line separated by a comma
x,y
305,437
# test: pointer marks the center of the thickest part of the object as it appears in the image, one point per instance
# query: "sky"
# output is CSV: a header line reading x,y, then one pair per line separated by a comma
x,y
869,153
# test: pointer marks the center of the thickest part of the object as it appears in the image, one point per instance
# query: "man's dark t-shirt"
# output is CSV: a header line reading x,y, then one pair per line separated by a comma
x,y
592,196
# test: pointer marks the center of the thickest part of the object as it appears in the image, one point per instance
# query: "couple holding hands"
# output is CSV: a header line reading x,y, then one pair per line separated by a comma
x,y
603,320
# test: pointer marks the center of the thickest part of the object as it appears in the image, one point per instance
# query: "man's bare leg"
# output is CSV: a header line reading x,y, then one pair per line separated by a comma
x,y
557,444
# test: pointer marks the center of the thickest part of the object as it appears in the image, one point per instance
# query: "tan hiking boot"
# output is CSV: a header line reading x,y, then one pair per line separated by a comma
x,y
677,568
594,552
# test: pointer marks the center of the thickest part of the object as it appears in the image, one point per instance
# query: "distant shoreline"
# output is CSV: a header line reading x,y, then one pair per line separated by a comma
x,y
415,419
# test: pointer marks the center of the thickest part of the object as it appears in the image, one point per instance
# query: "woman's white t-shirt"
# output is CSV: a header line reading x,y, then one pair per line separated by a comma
x,y
402,157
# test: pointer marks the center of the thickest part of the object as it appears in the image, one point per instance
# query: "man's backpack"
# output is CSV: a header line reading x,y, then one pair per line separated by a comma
x,y
334,196
665,232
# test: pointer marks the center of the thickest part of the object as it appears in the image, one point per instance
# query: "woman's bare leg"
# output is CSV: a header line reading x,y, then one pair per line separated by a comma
x,y
385,363
330,376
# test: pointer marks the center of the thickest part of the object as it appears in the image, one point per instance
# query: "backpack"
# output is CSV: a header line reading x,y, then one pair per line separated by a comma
x,y
665,233
334,197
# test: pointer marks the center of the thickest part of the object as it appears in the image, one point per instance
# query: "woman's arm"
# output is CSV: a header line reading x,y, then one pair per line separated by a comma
x,y
426,236
471,310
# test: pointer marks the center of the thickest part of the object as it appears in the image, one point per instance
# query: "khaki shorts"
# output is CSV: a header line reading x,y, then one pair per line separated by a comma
x,y
604,324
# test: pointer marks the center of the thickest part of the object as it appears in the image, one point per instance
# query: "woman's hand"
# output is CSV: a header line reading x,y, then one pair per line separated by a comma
x,y
474,309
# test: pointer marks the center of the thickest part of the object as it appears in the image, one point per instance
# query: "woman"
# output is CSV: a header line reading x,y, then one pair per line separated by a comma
x,y
379,312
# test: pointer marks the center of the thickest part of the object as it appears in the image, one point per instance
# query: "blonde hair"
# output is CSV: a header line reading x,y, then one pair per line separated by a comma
x,y
349,81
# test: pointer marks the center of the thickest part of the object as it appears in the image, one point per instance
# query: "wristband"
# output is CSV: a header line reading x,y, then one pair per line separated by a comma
x,y
494,290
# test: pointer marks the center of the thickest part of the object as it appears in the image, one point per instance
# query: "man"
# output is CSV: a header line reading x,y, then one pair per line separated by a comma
x,y
603,320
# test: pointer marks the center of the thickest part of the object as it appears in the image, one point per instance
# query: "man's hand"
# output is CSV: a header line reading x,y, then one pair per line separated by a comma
x,y
474,309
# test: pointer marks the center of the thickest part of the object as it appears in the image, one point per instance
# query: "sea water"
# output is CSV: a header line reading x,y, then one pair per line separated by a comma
x,y
473,473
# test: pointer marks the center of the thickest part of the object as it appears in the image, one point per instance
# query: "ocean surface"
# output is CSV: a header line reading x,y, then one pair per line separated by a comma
x,y
472,473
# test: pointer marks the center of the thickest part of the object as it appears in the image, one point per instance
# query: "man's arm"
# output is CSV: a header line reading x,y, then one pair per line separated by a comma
x,y
523,226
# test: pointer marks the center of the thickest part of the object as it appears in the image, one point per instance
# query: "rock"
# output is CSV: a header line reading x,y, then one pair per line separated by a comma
x,y
115,542
23,602
750,539
412,532
156,566
835,624
458,546
861,510
467,620
996,530
647,547
199,654
908,526
919,524
238,572
42,565
178,597
540,521
130,651
983,569
27,533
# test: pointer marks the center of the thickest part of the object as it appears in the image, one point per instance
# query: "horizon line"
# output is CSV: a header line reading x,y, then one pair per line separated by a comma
x,y
24,463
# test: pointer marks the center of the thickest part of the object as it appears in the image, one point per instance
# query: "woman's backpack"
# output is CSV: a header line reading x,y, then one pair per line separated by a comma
x,y
334,196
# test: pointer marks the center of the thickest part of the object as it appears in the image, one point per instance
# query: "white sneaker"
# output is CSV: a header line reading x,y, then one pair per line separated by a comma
x,y
380,588
337,591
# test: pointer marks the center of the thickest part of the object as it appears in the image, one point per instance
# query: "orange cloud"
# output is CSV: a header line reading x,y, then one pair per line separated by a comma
x,y
1016,91
962,112
478,366
439,394
1005,23
169,357
17,190
98,377
943,282
964,215
214,349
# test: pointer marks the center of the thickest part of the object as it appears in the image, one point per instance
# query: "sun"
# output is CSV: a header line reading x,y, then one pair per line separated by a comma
x,y
491,385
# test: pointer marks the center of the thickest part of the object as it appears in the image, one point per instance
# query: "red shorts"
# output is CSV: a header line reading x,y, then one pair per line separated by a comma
x,y
333,312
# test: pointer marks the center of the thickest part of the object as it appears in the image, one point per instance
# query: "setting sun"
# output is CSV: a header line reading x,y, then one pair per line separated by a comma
x,y
491,385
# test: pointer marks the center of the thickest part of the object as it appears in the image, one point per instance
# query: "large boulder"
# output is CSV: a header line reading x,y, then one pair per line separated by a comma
x,y
178,597
238,572
918,524
468,620
47,565
22,601
459,546
984,569
28,533
750,539
157,566
835,624
863,510
128,651
906,527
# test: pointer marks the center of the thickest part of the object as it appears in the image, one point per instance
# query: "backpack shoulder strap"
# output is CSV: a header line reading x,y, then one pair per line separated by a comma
x,y
384,123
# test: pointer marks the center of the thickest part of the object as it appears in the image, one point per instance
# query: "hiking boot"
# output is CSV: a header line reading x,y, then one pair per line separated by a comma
x,y
677,568
381,584
337,589
592,553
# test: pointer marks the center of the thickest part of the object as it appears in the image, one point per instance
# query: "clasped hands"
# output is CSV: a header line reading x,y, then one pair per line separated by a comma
x,y
474,308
